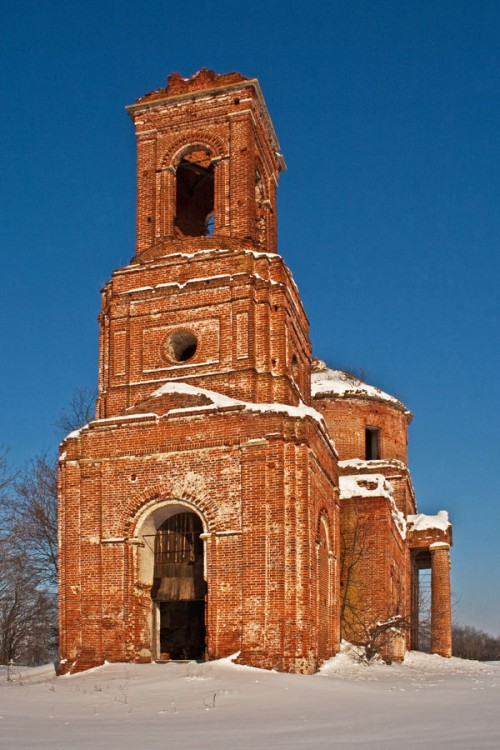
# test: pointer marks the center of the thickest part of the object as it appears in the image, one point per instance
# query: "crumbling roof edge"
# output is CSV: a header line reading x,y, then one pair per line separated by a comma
x,y
253,82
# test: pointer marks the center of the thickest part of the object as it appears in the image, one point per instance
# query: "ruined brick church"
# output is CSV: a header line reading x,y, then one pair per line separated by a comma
x,y
233,494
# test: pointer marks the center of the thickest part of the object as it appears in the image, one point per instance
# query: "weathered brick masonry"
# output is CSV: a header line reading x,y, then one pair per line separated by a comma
x,y
200,512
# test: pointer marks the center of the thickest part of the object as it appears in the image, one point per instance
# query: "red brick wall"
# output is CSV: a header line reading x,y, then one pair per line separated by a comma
x,y
261,501
244,310
347,419
375,571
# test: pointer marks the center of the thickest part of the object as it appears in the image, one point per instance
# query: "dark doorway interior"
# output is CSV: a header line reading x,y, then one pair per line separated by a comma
x,y
182,630
179,588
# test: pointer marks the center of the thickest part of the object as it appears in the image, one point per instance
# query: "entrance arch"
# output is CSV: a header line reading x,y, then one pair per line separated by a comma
x,y
172,563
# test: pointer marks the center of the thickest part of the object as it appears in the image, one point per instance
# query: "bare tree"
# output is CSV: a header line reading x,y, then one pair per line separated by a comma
x,y
352,550
424,610
30,512
359,623
27,614
471,643
5,472
28,547
80,411
28,563
6,479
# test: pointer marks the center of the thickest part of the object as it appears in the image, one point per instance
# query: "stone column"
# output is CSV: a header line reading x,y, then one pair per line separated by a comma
x,y
440,599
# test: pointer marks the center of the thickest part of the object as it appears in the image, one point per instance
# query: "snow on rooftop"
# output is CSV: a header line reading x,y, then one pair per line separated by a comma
x,y
221,401
422,522
326,381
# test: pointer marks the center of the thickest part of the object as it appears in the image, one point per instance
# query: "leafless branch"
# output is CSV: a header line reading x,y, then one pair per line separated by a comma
x,y
80,411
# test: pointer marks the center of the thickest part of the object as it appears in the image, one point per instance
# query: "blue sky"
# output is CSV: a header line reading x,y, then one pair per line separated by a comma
x,y
388,117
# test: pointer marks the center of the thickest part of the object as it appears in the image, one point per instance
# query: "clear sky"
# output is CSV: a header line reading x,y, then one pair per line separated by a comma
x,y
388,116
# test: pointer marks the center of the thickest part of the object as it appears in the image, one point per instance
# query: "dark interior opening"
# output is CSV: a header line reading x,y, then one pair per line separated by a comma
x,y
182,630
372,443
179,587
181,346
195,195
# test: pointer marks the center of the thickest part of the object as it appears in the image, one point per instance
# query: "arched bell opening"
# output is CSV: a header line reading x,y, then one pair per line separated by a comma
x,y
195,191
172,561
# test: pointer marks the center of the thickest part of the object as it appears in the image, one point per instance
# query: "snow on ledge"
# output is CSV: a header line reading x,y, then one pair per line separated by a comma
x,y
365,485
220,251
422,522
360,463
372,485
199,279
75,433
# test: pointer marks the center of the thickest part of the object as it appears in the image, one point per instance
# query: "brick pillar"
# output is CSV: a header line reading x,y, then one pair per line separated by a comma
x,y
440,599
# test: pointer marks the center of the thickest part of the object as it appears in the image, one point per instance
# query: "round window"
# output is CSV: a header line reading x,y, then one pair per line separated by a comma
x,y
180,346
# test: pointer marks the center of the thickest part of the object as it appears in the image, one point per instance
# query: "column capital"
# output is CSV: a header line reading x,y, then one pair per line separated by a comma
x,y
438,545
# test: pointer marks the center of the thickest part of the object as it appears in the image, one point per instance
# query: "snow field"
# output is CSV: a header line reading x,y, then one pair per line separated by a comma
x,y
426,702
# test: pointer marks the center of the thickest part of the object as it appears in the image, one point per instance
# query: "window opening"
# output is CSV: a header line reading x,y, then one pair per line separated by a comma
x,y
194,194
372,443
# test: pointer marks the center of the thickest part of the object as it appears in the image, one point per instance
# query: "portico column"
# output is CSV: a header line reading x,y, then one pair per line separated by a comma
x,y
440,599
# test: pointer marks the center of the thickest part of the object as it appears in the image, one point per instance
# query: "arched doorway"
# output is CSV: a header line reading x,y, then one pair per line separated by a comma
x,y
179,588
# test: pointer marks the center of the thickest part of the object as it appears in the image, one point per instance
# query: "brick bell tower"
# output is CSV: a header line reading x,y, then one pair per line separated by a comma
x,y
228,316
199,510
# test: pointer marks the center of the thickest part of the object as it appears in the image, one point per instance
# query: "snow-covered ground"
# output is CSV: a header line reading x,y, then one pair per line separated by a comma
x,y
425,702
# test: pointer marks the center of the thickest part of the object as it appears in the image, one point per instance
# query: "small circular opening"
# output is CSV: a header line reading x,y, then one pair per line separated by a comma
x,y
181,346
